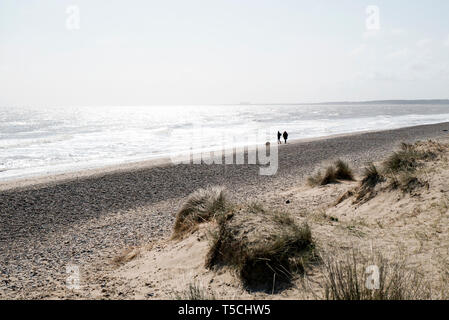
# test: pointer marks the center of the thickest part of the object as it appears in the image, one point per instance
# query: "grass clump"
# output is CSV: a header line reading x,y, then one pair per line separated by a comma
x,y
276,258
400,170
401,161
366,189
343,172
357,278
126,256
408,182
265,250
194,291
408,158
401,167
283,219
315,180
330,176
371,176
201,206
255,207
339,171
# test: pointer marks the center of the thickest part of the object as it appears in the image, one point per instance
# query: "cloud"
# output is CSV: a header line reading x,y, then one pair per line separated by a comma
x,y
424,42
401,53
370,34
398,32
376,76
446,42
358,51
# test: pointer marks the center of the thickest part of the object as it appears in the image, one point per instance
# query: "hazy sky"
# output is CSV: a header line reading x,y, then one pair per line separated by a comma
x,y
142,52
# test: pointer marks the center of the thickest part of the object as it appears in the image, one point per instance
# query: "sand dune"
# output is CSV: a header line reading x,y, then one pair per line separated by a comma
x,y
410,224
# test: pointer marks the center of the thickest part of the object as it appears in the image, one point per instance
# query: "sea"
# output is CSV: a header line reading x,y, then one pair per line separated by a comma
x,y
37,141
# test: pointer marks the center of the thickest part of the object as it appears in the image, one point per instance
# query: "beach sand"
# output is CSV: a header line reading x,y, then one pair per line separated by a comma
x,y
87,218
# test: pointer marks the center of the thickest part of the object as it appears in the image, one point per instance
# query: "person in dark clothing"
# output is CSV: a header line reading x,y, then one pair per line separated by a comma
x,y
285,135
279,137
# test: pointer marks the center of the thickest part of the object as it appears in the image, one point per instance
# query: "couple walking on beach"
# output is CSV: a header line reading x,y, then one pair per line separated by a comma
x,y
284,135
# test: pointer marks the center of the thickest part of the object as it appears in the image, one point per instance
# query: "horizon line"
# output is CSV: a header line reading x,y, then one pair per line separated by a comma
x,y
415,101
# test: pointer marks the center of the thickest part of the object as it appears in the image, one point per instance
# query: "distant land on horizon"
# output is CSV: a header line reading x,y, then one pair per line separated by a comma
x,y
417,101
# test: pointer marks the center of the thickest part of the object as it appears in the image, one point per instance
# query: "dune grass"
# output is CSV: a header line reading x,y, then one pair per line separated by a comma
x,y
329,176
401,161
126,256
262,258
315,179
371,176
339,171
408,182
402,170
401,167
408,158
277,258
194,291
348,279
201,206
343,171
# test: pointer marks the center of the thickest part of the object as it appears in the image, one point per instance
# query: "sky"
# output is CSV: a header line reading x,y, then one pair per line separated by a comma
x,y
188,52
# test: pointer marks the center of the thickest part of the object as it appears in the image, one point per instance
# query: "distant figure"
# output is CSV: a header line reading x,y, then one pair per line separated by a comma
x,y
279,137
285,135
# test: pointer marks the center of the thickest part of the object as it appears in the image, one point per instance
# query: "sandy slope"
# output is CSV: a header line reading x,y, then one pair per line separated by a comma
x,y
413,224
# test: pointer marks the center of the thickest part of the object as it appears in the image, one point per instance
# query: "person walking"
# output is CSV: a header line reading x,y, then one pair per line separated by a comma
x,y
279,137
285,135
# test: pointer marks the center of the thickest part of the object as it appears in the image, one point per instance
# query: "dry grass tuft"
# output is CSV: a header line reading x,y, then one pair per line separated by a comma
x,y
410,156
194,291
347,279
399,170
405,160
343,172
401,167
335,173
266,252
408,182
315,180
370,178
329,176
255,207
126,256
201,206
286,254
348,194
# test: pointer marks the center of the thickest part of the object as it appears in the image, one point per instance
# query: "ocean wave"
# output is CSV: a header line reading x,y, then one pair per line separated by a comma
x,y
78,138
23,143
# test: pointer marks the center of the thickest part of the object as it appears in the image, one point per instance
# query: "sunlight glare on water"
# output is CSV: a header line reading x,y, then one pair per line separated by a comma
x,y
36,141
